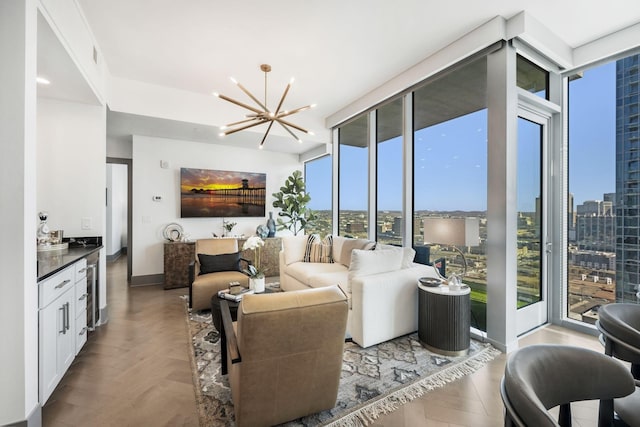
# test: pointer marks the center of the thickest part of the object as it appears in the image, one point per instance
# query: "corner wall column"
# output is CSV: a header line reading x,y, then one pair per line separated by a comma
x,y
19,290
502,102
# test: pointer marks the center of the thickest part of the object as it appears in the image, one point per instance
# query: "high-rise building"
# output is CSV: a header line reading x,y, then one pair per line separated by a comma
x,y
627,179
595,225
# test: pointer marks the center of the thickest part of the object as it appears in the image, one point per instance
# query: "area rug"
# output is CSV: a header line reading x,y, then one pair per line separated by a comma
x,y
374,381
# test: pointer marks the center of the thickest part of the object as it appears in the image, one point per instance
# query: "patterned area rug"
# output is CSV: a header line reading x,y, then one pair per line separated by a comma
x,y
374,381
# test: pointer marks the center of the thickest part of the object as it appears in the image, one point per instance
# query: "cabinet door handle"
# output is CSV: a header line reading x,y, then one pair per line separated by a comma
x,y
82,270
62,283
64,330
83,331
83,297
67,316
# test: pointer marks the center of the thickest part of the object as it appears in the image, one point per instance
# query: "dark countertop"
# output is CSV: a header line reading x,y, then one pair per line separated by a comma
x,y
49,263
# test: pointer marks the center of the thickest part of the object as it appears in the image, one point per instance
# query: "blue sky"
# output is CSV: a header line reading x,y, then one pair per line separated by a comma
x,y
451,158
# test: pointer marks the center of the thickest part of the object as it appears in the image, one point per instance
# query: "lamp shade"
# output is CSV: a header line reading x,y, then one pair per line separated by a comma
x,y
452,231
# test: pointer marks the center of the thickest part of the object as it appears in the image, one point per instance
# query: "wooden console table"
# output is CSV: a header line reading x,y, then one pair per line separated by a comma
x,y
178,255
269,255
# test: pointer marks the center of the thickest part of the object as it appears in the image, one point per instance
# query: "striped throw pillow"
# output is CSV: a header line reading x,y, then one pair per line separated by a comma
x,y
307,249
322,251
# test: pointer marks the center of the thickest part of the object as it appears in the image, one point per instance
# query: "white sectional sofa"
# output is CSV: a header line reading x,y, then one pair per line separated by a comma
x,y
380,281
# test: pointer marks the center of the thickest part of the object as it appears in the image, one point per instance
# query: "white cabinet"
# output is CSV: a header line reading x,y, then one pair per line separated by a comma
x,y
62,323
56,329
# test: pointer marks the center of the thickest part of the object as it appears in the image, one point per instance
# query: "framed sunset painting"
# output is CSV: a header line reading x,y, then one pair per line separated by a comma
x,y
216,193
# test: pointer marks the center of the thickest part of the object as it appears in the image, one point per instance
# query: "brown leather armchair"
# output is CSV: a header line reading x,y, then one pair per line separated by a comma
x,y
216,264
285,354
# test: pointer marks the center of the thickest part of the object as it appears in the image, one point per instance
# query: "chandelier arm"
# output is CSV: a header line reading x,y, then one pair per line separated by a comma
x,y
284,95
241,104
297,110
241,122
289,130
284,122
230,131
252,97
264,138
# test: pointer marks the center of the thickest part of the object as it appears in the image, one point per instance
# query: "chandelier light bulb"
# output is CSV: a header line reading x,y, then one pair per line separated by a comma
x,y
235,82
291,81
260,147
42,81
216,94
222,134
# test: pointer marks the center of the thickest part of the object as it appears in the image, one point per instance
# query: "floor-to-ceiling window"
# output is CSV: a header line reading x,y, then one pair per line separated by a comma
x,y
389,219
604,188
353,177
450,172
318,180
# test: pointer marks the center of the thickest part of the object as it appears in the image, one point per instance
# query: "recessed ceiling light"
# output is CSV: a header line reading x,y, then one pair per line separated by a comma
x,y
42,81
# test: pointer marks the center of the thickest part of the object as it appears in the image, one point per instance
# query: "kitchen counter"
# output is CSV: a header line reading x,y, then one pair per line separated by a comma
x,y
51,262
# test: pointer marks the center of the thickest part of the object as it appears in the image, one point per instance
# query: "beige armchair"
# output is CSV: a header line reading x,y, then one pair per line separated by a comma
x,y
285,354
216,264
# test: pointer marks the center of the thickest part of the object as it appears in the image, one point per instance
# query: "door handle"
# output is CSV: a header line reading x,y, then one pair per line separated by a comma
x,y
63,331
67,316
61,284
548,247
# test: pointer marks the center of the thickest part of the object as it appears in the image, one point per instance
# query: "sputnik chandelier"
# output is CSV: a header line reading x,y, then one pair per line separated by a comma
x,y
262,115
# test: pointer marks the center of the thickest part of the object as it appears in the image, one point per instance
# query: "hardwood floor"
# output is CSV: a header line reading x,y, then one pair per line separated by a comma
x,y
135,371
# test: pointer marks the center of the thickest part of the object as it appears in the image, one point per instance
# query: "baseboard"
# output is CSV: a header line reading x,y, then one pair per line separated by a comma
x,y
34,419
104,315
146,280
114,257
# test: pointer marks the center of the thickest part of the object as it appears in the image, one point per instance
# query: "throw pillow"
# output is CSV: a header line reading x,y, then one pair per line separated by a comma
x,y
366,262
322,251
307,249
408,254
216,263
350,244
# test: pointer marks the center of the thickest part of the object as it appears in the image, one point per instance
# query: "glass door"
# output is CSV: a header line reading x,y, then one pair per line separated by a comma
x,y
531,207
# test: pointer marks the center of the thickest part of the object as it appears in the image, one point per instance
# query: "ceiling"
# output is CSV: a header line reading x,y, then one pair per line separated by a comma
x,y
337,50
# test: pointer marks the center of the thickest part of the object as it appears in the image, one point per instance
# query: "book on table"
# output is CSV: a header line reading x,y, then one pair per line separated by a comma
x,y
234,295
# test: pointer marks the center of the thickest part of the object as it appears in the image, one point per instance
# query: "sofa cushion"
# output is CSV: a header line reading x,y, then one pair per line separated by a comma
x,y
365,262
349,245
293,248
304,271
216,263
408,254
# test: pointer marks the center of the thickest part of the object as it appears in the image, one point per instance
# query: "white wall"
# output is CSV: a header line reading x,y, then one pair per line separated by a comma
x,y
71,166
71,177
18,291
149,179
116,235
119,148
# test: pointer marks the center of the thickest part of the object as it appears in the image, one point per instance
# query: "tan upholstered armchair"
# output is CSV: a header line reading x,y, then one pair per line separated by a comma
x,y
217,263
285,354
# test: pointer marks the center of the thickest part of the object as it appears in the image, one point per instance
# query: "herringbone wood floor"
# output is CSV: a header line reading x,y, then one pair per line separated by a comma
x,y
135,371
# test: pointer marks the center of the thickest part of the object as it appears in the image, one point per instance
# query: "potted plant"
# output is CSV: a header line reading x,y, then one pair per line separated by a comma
x,y
228,227
292,199
255,273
